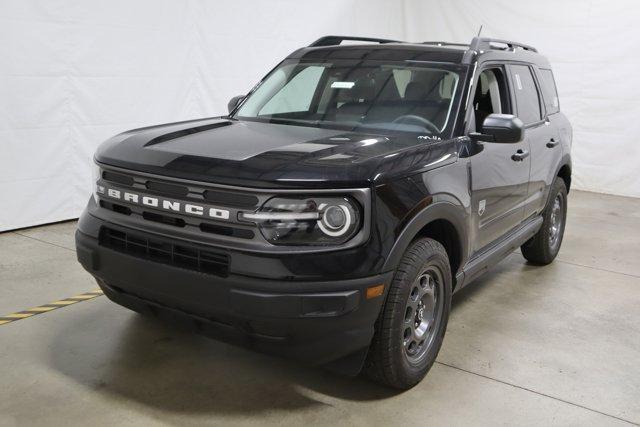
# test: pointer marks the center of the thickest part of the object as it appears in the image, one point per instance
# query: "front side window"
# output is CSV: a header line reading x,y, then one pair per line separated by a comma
x,y
362,95
527,98
491,95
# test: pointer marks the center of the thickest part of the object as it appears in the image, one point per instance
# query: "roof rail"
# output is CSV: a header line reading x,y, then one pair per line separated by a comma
x,y
444,44
336,40
484,43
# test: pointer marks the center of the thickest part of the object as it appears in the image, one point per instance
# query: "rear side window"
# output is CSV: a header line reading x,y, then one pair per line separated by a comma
x,y
527,98
549,92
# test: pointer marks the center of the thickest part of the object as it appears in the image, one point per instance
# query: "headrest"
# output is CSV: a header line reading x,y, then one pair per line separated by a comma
x,y
415,91
363,89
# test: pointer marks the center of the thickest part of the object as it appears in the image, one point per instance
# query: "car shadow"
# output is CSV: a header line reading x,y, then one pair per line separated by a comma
x,y
144,360
113,351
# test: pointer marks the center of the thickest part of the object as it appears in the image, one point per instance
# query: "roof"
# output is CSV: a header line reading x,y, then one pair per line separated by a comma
x,y
480,48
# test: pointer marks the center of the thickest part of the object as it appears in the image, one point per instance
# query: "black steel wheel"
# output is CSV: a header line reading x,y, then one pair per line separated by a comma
x,y
544,246
422,313
413,320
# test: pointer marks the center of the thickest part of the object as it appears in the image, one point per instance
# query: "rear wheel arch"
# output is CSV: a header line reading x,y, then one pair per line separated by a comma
x,y
565,173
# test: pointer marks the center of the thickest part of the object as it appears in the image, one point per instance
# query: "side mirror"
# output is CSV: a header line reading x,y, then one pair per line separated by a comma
x,y
234,102
502,128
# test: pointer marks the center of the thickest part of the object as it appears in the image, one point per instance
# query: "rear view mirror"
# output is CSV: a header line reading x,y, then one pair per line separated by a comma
x,y
234,102
502,128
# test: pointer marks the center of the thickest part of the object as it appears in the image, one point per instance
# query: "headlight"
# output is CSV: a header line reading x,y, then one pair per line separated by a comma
x,y
95,177
307,220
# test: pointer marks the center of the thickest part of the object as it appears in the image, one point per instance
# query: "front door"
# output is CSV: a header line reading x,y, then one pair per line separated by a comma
x,y
499,173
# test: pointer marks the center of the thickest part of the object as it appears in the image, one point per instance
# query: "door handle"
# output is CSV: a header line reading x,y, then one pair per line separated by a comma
x,y
552,143
520,155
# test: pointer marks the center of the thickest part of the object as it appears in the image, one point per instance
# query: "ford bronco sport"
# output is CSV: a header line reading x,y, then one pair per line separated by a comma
x,y
331,214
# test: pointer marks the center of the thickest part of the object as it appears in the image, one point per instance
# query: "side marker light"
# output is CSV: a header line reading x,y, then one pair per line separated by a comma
x,y
375,291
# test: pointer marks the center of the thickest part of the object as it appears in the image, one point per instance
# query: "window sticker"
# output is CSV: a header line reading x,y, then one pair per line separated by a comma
x,y
518,82
342,85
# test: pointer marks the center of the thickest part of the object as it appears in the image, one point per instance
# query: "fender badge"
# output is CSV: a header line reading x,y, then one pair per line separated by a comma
x,y
481,207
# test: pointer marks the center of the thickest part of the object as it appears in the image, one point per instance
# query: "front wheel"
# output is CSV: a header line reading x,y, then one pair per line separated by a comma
x,y
543,247
411,326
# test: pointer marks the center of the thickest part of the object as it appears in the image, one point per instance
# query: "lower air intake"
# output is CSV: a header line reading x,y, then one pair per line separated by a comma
x,y
165,252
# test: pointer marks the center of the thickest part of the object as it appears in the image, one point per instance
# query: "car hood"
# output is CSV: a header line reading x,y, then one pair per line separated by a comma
x,y
267,155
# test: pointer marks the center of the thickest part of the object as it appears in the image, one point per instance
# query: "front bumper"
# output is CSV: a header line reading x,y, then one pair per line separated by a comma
x,y
317,322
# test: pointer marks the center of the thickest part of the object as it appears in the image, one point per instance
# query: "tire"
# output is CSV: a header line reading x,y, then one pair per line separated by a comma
x,y
423,276
544,246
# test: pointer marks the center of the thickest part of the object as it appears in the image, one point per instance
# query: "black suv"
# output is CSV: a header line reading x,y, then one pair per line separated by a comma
x,y
332,213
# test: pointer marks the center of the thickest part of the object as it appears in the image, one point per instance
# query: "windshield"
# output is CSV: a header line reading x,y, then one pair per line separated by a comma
x,y
362,95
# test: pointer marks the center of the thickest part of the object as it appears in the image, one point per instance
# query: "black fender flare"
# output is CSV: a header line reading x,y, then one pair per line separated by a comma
x,y
564,161
455,214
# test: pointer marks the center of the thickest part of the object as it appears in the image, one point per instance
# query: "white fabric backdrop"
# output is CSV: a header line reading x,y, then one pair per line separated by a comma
x,y
73,73
593,48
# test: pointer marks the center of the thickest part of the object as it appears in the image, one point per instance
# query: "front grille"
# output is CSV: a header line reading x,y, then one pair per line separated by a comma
x,y
168,189
118,178
115,207
221,230
163,219
165,252
227,231
229,198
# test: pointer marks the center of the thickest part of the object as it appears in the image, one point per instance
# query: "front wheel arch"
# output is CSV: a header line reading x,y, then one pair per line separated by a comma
x,y
443,222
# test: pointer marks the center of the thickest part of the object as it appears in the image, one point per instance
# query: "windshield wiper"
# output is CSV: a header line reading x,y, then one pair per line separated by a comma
x,y
310,123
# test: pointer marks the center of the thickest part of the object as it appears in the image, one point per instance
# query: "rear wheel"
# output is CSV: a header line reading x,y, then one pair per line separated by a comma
x,y
413,320
543,247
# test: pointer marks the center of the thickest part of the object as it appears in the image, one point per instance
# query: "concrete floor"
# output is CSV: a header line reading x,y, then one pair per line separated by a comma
x,y
526,345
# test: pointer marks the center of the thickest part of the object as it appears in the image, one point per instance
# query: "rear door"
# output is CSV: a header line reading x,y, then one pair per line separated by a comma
x,y
540,135
546,152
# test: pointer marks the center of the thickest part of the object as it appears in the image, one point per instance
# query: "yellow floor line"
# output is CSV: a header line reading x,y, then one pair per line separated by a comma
x,y
42,309
49,307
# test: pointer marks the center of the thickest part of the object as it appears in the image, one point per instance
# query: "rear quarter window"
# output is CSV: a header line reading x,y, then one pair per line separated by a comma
x,y
549,91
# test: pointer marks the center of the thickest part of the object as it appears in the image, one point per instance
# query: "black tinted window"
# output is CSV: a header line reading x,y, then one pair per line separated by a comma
x,y
549,92
527,98
492,95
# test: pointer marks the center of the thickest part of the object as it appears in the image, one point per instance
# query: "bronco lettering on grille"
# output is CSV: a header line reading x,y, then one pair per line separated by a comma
x,y
162,203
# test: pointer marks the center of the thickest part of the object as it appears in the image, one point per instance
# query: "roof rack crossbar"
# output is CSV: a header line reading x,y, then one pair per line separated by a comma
x,y
336,40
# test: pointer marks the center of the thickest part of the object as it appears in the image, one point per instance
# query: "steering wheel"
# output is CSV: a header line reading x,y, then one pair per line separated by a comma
x,y
421,121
